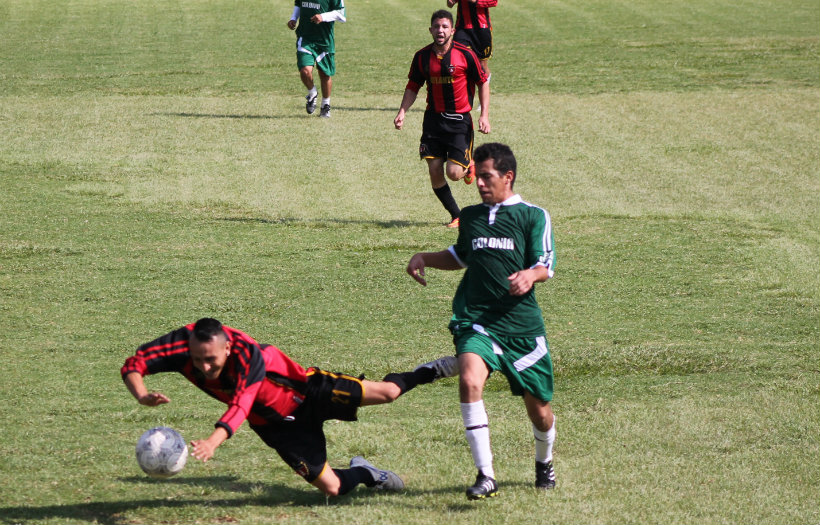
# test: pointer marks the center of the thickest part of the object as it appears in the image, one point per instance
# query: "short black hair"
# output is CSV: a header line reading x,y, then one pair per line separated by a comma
x,y
441,13
207,328
502,155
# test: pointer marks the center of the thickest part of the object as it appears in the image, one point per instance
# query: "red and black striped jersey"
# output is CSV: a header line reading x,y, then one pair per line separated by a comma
x,y
259,382
472,15
450,78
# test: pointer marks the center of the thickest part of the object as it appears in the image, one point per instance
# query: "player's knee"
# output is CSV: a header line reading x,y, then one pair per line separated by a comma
x,y
455,174
330,491
470,389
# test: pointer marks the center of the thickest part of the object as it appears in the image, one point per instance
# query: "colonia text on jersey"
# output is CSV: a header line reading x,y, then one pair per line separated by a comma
x,y
496,243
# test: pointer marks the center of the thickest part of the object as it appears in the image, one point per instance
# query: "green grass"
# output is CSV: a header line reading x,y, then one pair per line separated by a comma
x,y
156,166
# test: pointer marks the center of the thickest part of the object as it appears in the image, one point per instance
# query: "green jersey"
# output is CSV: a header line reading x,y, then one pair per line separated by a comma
x,y
493,243
319,37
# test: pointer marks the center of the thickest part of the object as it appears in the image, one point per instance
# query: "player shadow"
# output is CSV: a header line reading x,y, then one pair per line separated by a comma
x,y
248,495
245,116
116,512
290,220
238,116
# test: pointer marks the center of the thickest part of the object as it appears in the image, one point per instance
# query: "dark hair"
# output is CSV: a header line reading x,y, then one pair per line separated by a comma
x,y
207,328
441,13
502,155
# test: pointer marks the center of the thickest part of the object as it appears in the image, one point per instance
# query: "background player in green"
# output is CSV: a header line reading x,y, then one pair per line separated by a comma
x,y
506,245
313,21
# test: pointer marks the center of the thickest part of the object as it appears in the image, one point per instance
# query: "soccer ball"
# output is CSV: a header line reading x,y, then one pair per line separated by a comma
x,y
161,452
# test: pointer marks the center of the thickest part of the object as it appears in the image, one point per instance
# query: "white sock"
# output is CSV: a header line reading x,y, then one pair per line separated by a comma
x,y
326,101
543,443
477,430
312,92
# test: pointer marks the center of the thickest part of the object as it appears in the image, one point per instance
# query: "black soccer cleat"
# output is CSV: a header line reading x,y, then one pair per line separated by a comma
x,y
310,105
484,487
544,475
325,111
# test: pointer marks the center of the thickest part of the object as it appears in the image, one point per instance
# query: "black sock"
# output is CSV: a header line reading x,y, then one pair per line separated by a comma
x,y
445,196
407,381
351,477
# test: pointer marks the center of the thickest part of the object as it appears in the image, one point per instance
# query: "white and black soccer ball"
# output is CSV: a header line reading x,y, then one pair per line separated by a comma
x,y
161,452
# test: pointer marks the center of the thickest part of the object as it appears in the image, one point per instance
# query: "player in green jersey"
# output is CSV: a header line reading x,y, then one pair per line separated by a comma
x,y
506,246
313,21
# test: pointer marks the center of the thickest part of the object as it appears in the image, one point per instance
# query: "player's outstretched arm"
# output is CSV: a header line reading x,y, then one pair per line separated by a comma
x,y
442,260
135,385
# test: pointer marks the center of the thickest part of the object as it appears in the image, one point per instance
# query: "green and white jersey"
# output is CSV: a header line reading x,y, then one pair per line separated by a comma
x,y
318,36
493,243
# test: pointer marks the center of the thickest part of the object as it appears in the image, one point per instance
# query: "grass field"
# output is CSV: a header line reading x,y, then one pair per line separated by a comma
x,y
156,166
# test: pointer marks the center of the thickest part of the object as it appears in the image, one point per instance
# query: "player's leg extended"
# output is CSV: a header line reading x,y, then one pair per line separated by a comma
x,y
395,384
338,482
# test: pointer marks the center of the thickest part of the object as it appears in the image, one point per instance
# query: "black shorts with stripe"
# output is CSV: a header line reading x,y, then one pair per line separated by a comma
x,y
447,136
299,439
479,39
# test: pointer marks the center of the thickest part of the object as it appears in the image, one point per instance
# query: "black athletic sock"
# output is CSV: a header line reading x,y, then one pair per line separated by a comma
x,y
445,196
351,477
407,381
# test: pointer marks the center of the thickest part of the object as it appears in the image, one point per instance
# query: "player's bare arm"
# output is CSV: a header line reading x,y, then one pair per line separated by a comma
x,y
442,260
484,100
406,102
135,384
203,449
522,281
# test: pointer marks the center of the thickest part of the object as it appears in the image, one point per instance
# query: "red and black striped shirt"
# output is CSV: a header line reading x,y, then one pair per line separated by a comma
x,y
259,382
472,15
450,78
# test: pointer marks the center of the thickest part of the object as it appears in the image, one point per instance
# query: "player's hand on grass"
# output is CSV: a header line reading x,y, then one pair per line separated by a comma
x,y
202,449
153,399
291,24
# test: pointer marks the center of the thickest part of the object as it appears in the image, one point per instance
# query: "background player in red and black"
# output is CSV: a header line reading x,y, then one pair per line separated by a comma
x,y
284,404
474,29
451,73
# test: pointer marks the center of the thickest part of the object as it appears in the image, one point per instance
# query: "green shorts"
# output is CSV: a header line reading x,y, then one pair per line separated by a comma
x,y
313,55
525,361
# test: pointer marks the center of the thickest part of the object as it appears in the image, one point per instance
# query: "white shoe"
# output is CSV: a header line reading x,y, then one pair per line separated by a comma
x,y
446,366
385,479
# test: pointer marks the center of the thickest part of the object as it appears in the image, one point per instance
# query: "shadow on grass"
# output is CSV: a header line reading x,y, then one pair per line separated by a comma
x,y
315,222
248,495
241,116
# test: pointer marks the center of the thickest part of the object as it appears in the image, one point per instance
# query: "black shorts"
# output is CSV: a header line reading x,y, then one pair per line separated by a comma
x,y
479,39
299,439
447,136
